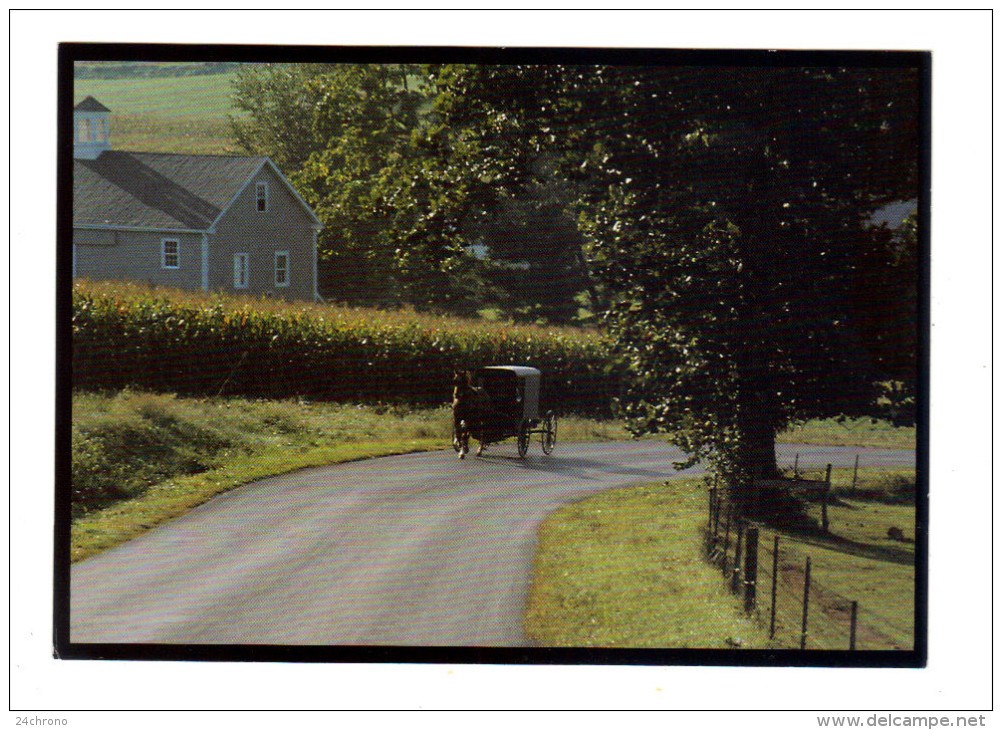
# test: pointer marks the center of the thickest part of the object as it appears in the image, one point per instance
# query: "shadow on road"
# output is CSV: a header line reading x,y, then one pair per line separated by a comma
x,y
579,467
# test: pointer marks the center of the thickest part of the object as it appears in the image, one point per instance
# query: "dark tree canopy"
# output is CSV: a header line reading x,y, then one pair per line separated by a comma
x,y
716,217
725,213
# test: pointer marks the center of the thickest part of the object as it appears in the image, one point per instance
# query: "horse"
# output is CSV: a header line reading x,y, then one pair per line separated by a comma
x,y
464,410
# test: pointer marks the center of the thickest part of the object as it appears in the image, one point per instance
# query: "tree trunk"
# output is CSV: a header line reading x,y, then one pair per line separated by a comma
x,y
755,458
757,452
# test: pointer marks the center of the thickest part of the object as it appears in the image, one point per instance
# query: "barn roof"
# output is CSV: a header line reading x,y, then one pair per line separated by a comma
x,y
157,190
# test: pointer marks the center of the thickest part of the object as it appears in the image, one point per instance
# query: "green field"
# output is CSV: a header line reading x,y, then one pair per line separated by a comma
x,y
188,114
863,432
884,589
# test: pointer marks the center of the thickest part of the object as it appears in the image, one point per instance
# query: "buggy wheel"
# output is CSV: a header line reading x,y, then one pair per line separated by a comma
x,y
523,438
549,437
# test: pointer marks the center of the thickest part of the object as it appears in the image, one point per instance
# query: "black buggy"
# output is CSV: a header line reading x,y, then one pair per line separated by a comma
x,y
506,405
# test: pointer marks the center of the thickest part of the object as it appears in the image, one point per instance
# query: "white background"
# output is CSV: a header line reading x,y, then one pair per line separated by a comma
x,y
958,678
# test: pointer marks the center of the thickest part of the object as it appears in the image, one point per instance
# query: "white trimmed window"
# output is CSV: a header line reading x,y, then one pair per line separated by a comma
x,y
83,131
241,270
170,254
262,197
281,268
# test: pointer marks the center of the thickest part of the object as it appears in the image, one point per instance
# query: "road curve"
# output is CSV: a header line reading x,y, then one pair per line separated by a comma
x,y
414,550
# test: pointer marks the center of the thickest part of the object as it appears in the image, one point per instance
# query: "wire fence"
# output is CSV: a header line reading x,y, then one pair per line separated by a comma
x,y
772,573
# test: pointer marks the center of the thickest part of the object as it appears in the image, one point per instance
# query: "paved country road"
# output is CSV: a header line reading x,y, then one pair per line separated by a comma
x,y
414,550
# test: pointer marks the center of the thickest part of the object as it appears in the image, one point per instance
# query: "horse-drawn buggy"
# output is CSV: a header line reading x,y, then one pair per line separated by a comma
x,y
499,402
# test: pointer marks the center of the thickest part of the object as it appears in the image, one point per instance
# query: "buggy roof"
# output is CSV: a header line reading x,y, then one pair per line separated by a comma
x,y
521,371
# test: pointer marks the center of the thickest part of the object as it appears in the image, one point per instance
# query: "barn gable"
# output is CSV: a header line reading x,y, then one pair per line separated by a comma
x,y
125,203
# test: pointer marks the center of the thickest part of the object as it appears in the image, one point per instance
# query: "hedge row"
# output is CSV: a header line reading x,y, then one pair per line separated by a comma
x,y
222,347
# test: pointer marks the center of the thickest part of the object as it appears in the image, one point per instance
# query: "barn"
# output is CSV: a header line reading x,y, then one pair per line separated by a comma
x,y
202,222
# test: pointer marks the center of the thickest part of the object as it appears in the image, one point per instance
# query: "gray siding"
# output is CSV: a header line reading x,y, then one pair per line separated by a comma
x,y
136,256
285,226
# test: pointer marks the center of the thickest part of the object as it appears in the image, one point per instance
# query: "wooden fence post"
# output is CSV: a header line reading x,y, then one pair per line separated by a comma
x,y
711,524
855,471
852,626
775,573
716,511
796,467
803,616
727,541
751,567
736,570
824,498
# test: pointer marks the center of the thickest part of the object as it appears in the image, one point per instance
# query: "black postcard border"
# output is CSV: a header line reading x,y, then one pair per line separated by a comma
x,y
64,648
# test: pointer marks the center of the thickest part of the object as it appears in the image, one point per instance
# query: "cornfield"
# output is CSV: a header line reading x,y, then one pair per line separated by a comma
x,y
208,345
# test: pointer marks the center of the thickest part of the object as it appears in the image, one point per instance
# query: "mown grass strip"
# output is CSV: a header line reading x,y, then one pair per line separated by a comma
x,y
140,458
625,569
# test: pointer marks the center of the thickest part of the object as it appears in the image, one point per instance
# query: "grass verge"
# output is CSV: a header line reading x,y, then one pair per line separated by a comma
x,y
141,458
105,528
625,569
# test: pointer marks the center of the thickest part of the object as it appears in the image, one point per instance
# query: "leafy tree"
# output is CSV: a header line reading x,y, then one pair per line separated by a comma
x,y
522,212
725,213
357,142
743,230
279,104
401,195
362,118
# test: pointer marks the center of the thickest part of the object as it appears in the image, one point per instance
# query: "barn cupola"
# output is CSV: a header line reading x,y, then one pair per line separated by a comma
x,y
91,132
